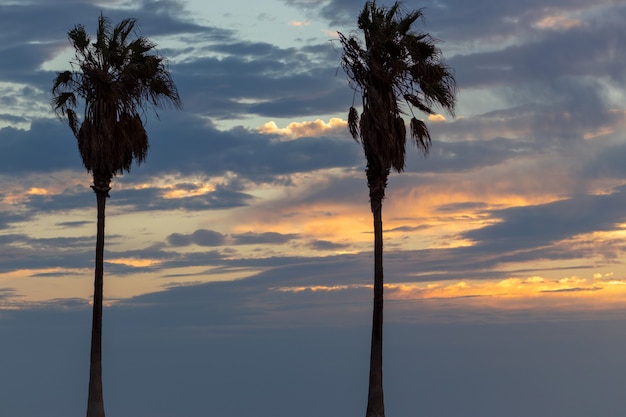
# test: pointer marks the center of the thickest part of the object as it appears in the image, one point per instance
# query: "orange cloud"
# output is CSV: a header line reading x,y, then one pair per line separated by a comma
x,y
202,189
315,288
299,23
134,262
31,285
558,23
607,129
511,293
567,293
300,129
38,191
436,118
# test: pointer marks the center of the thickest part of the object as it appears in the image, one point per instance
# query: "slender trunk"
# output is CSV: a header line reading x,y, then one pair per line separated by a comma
x,y
95,401
375,400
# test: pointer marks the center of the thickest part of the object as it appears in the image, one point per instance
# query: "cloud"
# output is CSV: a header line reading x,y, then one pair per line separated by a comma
x,y
71,224
576,53
298,23
305,129
154,198
325,245
263,80
54,144
205,237
252,238
200,237
541,225
436,118
559,23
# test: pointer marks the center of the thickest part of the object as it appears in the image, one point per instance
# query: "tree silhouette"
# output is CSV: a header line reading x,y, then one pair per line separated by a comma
x,y
115,79
395,71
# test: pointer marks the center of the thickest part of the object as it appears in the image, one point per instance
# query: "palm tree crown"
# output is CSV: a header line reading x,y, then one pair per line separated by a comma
x,y
116,78
395,66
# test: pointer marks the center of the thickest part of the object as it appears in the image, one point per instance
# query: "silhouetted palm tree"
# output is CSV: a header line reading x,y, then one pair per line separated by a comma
x,y
397,70
115,78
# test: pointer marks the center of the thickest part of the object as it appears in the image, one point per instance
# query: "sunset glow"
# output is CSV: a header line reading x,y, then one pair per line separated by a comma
x,y
239,256
576,293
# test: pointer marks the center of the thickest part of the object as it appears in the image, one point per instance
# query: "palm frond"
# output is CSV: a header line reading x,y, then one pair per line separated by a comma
x,y
116,79
421,135
397,148
353,123
394,68
79,38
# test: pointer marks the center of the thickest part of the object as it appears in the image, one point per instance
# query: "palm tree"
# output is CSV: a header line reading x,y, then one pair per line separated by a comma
x,y
397,70
115,78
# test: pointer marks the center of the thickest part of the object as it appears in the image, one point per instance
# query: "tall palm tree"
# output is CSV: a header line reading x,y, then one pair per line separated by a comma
x,y
396,70
115,79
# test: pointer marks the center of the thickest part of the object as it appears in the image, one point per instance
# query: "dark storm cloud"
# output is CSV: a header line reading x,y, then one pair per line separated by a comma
x,y
188,146
268,58
14,59
60,243
192,150
607,162
200,237
46,253
325,245
408,228
24,252
484,262
147,199
203,237
7,218
469,155
12,119
47,146
7,293
33,33
561,117
31,205
276,86
310,271
213,258
542,225
181,145
573,290
80,197
44,20
71,224
575,52
253,238
489,21
57,274
455,207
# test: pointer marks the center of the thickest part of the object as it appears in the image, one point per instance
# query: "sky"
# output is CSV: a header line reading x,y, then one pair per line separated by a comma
x,y
238,261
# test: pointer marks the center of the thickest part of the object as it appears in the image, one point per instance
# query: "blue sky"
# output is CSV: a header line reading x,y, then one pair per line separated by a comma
x,y
238,258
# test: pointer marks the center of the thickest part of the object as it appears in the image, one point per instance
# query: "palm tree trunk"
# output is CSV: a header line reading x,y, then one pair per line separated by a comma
x,y
95,401
375,400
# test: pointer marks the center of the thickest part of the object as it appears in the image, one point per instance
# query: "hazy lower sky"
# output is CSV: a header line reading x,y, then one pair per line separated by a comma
x,y
238,258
